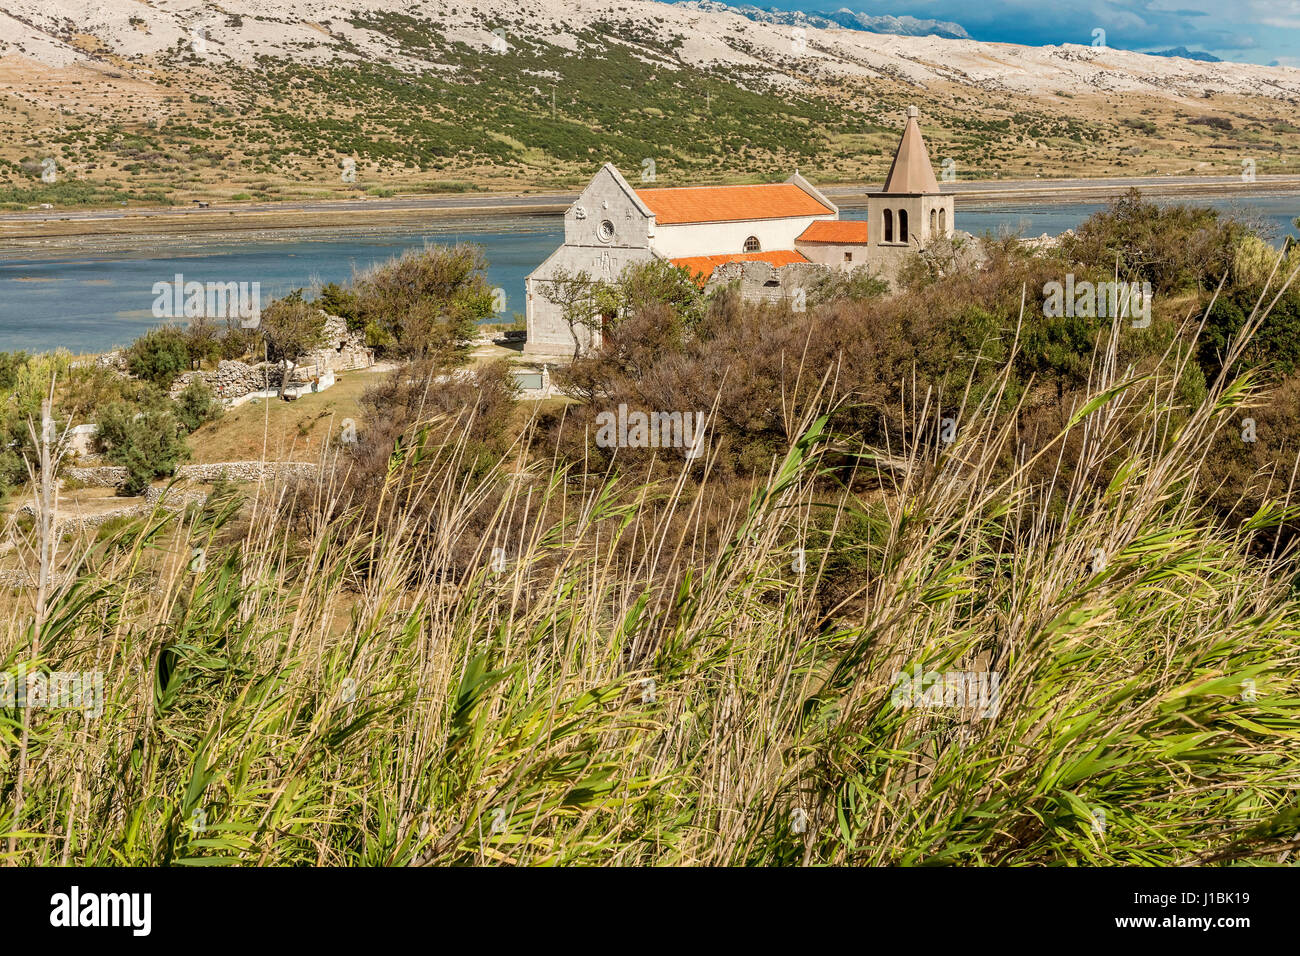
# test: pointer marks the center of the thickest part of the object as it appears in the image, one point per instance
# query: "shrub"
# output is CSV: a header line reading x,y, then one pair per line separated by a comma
x,y
426,304
1174,247
1277,342
238,342
431,407
10,364
196,405
148,442
1253,261
335,300
659,283
88,388
203,341
159,356
855,286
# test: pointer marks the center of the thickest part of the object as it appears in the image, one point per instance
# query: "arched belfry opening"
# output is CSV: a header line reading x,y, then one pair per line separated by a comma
x,y
889,225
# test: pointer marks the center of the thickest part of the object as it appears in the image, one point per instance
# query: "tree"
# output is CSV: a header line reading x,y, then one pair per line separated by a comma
x,y
10,364
148,442
659,282
578,297
159,356
1059,348
196,405
292,329
1174,247
426,304
203,341
335,300
237,341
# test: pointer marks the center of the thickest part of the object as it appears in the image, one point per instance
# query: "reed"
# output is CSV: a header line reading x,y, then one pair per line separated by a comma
x,y
335,685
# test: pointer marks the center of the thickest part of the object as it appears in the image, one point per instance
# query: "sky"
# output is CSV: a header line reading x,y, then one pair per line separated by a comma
x,y
1248,31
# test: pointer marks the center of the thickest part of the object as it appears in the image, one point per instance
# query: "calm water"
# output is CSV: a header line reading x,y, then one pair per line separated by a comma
x,y
88,303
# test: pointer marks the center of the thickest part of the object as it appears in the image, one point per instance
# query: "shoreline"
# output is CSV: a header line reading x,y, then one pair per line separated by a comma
x,y
86,230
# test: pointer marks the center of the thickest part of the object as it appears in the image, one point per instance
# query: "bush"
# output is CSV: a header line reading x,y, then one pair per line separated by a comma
x,y
147,442
437,409
1276,344
855,286
659,283
239,342
203,342
336,300
196,405
426,304
10,364
1174,247
88,388
159,356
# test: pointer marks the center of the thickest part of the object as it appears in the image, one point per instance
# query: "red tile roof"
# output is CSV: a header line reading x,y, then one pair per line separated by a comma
x,y
840,231
729,203
701,268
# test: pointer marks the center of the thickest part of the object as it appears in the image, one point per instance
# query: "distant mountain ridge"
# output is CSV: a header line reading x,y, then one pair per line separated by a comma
x,y
1187,54
277,99
907,26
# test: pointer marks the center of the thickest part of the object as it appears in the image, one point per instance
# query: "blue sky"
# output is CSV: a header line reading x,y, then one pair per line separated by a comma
x,y
1250,31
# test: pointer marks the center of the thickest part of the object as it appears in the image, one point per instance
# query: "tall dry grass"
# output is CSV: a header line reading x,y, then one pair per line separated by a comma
x,y
634,688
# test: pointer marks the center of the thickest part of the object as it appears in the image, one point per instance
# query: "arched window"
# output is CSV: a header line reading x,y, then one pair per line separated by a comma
x,y
943,222
753,245
903,235
889,225
933,220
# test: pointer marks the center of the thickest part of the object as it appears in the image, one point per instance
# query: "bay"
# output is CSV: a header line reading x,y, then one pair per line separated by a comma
x,y
93,302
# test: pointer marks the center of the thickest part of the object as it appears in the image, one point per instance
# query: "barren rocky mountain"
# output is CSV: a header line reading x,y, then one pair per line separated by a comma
x,y
534,93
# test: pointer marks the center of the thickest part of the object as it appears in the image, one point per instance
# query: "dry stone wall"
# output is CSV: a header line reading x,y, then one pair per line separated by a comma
x,y
110,476
232,379
248,470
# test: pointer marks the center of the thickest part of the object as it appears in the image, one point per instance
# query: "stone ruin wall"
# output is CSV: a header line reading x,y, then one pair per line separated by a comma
x,y
343,350
110,476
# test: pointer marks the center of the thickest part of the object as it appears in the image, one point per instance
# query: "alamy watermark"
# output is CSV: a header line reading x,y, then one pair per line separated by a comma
x,y
53,690
74,909
214,300
624,429
1098,299
959,690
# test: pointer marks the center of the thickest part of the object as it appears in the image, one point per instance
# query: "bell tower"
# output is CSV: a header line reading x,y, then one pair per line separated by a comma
x,y
910,212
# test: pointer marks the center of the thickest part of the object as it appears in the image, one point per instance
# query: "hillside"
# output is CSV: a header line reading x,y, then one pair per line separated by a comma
x,y
167,101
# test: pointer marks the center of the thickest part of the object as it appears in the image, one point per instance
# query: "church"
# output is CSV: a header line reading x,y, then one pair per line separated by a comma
x,y
767,237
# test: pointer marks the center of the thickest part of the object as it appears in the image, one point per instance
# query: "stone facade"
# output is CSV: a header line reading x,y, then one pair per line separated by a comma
x,y
760,282
602,251
343,350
